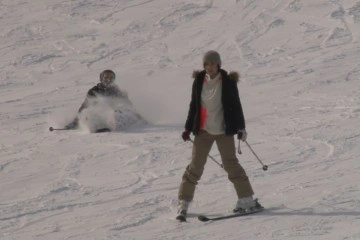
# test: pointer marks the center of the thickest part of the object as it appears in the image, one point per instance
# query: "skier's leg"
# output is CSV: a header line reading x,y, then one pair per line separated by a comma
x,y
236,172
201,148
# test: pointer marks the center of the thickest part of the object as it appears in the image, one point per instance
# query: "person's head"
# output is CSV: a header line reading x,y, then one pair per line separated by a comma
x,y
212,62
107,77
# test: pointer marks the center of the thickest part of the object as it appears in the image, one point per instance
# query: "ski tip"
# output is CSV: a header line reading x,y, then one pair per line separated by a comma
x,y
203,218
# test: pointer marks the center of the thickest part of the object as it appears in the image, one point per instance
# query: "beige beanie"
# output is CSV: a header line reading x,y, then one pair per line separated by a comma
x,y
212,56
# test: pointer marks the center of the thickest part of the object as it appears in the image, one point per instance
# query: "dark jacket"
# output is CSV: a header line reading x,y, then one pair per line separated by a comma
x,y
103,91
98,90
233,113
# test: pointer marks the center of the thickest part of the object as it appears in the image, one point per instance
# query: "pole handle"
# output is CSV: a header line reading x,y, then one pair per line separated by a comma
x,y
239,150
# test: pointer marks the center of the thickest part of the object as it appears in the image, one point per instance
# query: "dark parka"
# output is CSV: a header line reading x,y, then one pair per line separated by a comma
x,y
98,90
233,113
104,91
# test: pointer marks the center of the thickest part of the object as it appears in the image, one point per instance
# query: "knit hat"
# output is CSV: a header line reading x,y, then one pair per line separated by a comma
x,y
213,57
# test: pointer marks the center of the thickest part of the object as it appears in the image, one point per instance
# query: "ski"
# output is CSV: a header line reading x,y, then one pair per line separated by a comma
x,y
203,218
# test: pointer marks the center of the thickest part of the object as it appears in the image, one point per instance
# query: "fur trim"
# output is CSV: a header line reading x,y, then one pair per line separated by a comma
x,y
234,76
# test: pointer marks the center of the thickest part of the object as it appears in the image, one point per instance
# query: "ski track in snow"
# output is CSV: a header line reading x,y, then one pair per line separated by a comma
x,y
300,67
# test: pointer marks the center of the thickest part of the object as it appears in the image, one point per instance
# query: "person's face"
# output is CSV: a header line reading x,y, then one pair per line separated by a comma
x,y
108,78
211,68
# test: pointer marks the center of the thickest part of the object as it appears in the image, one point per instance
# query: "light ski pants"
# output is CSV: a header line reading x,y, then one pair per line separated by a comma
x,y
201,148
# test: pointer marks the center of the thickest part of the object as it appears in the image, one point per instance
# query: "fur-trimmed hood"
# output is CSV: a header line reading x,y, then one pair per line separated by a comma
x,y
233,75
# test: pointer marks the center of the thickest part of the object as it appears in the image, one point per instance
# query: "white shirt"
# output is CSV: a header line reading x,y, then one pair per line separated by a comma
x,y
211,100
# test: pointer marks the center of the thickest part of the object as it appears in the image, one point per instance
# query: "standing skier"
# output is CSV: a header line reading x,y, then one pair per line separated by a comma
x,y
215,115
106,88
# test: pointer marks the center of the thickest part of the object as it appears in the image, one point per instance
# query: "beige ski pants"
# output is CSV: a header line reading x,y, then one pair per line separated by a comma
x,y
201,148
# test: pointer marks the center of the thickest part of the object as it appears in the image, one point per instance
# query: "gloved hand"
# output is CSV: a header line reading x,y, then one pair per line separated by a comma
x,y
186,135
242,135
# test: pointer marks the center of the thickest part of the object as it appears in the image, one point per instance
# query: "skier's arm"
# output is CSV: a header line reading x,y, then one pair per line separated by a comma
x,y
192,109
240,120
91,94
84,105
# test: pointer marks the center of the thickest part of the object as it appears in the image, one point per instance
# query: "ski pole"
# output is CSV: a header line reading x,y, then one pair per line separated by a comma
x,y
57,129
211,157
265,167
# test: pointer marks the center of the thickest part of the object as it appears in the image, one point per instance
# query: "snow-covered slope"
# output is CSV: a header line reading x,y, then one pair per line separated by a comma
x,y
300,88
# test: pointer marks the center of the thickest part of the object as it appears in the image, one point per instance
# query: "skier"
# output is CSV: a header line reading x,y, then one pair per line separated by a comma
x,y
106,88
215,115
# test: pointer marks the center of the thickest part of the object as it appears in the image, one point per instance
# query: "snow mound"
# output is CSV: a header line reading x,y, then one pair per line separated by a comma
x,y
112,113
